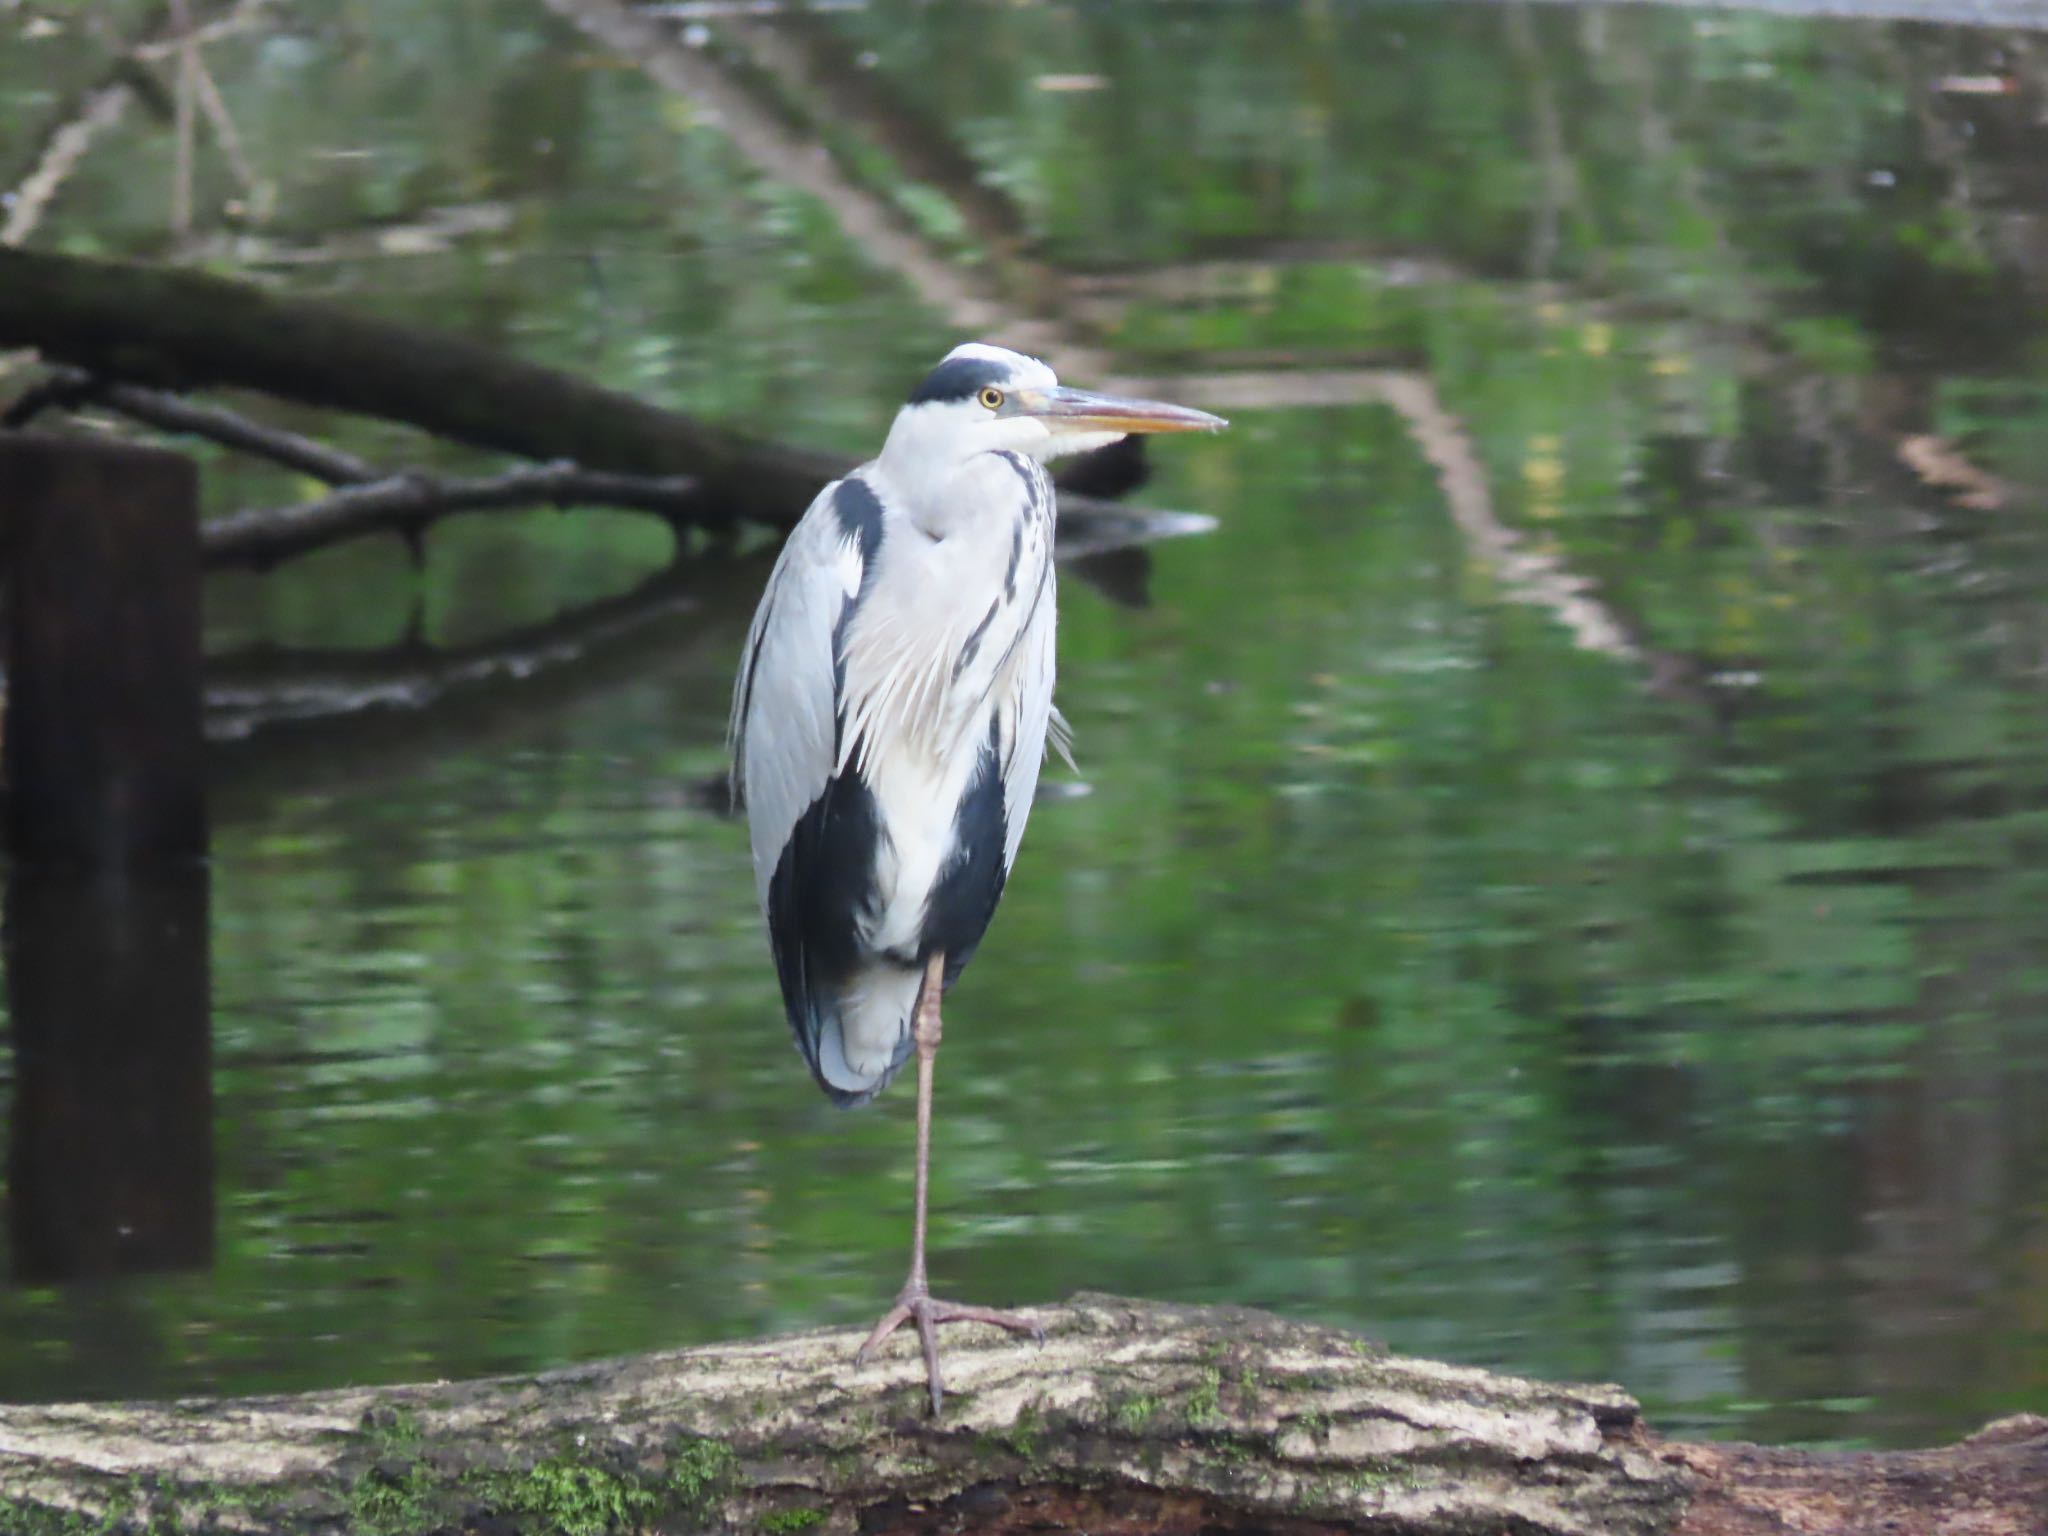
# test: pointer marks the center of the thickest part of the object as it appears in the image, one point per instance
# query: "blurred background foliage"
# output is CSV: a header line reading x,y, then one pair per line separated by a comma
x,y
1668,1010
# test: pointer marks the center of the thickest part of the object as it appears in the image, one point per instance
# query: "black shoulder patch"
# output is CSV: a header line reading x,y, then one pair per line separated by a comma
x,y
859,512
958,378
968,888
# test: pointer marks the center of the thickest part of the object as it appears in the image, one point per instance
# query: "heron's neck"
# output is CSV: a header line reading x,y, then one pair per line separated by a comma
x,y
941,496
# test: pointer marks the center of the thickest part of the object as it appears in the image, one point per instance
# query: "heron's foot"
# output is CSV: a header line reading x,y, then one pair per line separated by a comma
x,y
916,1304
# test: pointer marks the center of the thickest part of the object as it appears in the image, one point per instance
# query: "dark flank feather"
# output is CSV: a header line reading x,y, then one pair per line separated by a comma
x,y
971,884
822,889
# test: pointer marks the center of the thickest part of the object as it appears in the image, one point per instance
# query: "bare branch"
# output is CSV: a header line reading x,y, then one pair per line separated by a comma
x,y
85,116
240,19
226,135
67,145
407,504
49,393
68,388
187,121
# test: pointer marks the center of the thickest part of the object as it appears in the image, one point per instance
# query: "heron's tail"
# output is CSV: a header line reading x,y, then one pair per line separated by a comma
x,y
856,1033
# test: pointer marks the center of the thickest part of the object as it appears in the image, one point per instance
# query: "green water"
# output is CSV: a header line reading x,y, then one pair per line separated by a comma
x,y
1668,1011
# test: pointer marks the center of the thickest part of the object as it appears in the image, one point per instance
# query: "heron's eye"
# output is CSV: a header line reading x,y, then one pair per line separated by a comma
x,y
991,397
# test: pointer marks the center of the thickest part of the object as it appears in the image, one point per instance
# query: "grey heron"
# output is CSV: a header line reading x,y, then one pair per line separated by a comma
x,y
892,707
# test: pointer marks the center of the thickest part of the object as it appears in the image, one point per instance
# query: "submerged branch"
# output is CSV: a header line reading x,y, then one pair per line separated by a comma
x,y
253,690
1526,573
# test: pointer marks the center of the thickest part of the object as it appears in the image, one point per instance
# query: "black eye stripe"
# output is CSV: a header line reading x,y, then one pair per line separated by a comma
x,y
960,378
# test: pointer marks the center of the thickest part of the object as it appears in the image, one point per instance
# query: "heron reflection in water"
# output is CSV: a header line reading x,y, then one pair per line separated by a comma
x,y
892,708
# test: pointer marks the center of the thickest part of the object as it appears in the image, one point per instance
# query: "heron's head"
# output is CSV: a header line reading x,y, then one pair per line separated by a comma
x,y
984,399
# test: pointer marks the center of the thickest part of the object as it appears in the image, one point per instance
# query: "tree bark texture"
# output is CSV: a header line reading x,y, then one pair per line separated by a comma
x,y
1132,1417
176,329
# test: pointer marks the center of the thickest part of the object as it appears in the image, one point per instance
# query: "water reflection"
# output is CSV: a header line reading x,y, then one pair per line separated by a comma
x,y
110,1131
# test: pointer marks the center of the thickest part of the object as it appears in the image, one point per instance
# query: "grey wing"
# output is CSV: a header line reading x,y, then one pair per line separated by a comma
x,y
785,706
1035,715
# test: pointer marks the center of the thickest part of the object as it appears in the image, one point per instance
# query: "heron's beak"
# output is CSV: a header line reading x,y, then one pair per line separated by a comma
x,y
1078,410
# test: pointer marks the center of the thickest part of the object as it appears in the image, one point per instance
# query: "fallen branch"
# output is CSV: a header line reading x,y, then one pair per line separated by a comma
x,y
1132,1417
407,504
176,329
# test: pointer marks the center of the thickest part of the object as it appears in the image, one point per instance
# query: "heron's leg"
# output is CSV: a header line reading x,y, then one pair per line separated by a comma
x,y
915,1301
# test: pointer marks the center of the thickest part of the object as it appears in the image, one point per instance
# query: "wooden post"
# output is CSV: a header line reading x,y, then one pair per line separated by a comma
x,y
103,749
110,1135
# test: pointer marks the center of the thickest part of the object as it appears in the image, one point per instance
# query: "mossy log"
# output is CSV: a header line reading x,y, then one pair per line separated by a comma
x,y
1132,1417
